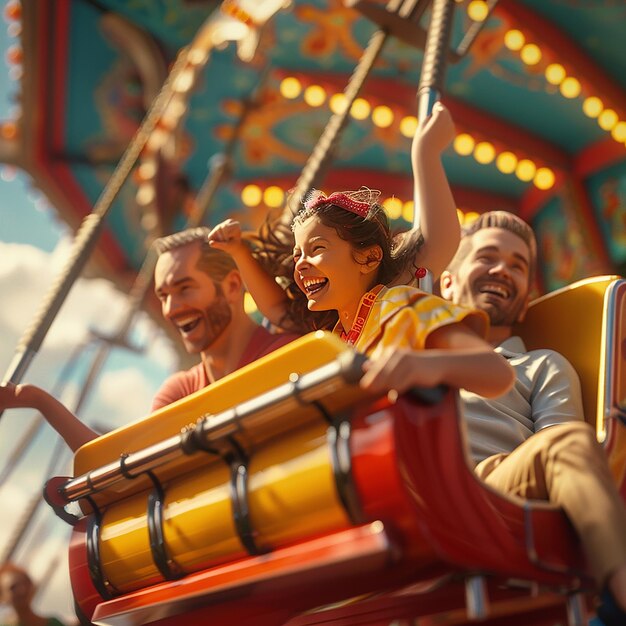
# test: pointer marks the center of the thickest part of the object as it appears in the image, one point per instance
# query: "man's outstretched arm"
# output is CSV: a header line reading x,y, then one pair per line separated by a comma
x,y
26,396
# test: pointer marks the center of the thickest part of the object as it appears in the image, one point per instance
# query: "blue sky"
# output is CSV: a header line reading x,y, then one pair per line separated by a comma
x,y
33,248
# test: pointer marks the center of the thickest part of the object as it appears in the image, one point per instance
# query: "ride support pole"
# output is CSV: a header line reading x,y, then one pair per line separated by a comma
x,y
88,233
435,55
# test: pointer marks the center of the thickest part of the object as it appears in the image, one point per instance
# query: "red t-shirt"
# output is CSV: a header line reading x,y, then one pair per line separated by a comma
x,y
184,383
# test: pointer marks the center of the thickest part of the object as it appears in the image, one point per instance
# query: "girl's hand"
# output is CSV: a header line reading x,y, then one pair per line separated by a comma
x,y
400,370
435,133
227,237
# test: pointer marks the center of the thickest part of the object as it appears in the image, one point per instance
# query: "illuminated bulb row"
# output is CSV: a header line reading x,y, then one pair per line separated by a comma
x,y
593,107
506,162
315,96
531,54
273,197
608,119
14,55
569,86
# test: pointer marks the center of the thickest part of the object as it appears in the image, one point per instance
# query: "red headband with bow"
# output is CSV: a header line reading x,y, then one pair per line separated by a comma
x,y
358,202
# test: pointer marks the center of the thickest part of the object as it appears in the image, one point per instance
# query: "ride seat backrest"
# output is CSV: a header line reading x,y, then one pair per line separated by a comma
x,y
572,321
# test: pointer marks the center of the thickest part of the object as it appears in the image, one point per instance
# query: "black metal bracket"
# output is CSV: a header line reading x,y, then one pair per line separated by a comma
x,y
52,495
237,459
94,562
169,568
338,438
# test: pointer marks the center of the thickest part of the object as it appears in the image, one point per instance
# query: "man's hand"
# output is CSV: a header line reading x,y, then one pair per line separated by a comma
x,y
16,396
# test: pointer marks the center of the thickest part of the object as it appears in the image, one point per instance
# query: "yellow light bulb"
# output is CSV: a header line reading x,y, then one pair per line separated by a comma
x,y
478,10
464,144
145,194
147,170
314,95
360,109
251,195
408,209
570,87
592,106
544,178
290,87
514,40
338,103
506,162
607,119
408,126
273,196
525,170
484,152
393,206
382,116
530,54
619,132
555,73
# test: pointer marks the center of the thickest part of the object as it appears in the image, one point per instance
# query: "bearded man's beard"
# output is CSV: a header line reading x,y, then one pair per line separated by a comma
x,y
218,316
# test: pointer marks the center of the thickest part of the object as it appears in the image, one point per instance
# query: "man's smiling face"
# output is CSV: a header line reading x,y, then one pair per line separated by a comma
x,y
493,276
190,299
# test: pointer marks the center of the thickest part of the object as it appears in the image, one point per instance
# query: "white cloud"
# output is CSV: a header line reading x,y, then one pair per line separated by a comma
x,y
130,385
121,394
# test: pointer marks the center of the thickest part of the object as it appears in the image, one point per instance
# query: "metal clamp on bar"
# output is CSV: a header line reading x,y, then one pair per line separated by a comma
x,y
169,568
212,431
102,584
338,437
238,461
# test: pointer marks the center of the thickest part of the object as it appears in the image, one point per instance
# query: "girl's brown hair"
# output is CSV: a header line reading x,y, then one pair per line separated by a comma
x,y
275,252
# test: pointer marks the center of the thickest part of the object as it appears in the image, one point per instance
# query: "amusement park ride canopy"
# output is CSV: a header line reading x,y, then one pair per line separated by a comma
x,y
539,102
154,115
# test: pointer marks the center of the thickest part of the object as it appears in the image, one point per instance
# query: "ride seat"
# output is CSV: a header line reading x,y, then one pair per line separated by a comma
x,y
586,323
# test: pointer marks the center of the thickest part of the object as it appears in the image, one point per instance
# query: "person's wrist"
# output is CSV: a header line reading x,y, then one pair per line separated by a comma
x,y
241,250
29,396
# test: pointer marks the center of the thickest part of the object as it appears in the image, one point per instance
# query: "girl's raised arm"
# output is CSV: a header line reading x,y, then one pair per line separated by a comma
x,y
267,293
435,213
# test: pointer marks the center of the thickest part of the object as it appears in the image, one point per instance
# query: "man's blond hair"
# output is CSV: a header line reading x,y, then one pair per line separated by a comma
x,y
213,262
505,221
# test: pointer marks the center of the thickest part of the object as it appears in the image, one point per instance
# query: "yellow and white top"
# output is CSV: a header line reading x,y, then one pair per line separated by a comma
x,y
404,317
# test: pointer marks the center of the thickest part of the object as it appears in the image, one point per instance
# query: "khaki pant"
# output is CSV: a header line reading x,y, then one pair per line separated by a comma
x,y
565,465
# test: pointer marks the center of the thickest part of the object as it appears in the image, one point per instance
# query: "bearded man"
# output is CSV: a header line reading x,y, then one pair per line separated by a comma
x,y
533,442
202,294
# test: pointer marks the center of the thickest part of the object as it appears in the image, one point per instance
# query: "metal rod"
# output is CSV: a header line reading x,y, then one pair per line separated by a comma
x,y
473,31
88,232
214,429
435,52
320,157
476,601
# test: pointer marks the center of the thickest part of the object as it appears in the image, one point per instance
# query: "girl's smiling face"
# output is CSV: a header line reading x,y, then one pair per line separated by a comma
x,y
330,272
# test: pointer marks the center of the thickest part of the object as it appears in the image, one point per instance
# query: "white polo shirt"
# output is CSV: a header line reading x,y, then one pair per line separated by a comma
x,y
546,392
